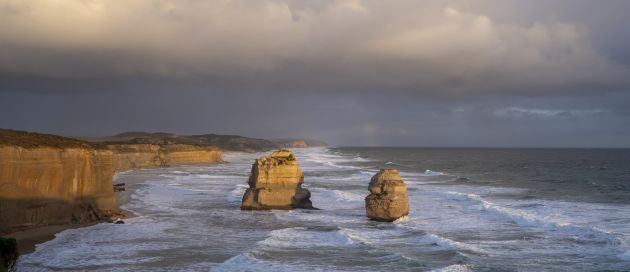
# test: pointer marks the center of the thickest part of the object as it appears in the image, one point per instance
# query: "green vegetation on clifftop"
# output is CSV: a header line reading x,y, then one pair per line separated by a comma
x,y
32,140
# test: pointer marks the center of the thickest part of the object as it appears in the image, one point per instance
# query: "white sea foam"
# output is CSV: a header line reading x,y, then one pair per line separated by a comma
x,y
217,176
333,196
335,161
454,268
88,247
236,195
530,219
406,236
301,237
402,220
431,173
444,243
361,176
361,159
120,174
321,216
246,262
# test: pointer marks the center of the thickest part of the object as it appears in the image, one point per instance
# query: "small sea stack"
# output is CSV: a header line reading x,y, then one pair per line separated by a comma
x,y
276,183
388,199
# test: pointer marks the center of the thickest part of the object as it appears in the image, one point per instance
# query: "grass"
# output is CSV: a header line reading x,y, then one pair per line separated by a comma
x,y
32,140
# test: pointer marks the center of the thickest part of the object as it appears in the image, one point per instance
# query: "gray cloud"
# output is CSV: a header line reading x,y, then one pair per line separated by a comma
x,y
427,47
546,113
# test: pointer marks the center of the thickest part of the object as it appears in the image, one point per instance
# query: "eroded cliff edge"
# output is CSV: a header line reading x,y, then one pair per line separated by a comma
x,y
51,180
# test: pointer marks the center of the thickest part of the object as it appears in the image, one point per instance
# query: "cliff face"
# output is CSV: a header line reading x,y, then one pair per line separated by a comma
x,y
130,156
44,185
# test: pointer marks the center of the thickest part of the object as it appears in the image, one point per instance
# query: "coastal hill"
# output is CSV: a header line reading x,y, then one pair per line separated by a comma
x,y
299,143
25,139
223,142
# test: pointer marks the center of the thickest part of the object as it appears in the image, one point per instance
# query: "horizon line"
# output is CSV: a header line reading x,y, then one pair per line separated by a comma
x,y
476,147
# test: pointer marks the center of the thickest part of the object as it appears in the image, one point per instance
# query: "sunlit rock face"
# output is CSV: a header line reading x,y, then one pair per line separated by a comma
x,y
388,199
47,185
276,183
132,156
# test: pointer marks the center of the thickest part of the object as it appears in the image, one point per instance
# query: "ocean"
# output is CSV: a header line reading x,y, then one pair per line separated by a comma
x,y
470,210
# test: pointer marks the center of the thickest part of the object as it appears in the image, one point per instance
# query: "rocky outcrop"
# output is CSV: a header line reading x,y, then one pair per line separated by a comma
x,y
388,199
131,156
276,183
44,185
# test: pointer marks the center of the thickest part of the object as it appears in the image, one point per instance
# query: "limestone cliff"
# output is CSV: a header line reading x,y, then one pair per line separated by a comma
x,y
388,199
130,156
45,185
276,183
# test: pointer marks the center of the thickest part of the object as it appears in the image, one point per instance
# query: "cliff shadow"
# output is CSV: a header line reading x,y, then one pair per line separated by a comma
x,y
28,213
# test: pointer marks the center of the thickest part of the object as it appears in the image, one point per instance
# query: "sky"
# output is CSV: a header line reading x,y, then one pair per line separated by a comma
x,y
442,73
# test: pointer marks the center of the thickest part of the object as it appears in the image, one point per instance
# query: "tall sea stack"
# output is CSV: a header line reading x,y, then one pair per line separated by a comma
x,y
388,199
276,183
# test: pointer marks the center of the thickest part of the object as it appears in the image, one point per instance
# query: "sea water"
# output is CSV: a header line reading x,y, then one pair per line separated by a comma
x,y
470,210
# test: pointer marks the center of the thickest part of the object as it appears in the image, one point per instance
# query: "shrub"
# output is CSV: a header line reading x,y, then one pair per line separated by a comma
x,y
8,254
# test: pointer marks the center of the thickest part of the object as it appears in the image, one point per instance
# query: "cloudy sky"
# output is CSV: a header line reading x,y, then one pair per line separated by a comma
x,y
503,73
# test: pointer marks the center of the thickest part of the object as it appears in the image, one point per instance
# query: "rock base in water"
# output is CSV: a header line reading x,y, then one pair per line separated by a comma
x,y
388,200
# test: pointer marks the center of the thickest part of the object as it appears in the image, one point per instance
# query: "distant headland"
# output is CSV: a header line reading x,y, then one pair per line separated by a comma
x,y
223,142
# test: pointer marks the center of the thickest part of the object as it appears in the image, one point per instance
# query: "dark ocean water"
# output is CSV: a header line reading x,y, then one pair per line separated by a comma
x,y
583,175
470,210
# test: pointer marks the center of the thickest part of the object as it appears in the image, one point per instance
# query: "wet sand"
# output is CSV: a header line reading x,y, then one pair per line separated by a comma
x,y
28,239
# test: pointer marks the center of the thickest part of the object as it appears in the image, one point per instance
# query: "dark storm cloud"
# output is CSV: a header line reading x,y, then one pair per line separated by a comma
x,y
406,72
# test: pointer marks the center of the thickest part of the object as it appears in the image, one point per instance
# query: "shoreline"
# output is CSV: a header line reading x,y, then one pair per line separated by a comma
x,y
29,239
